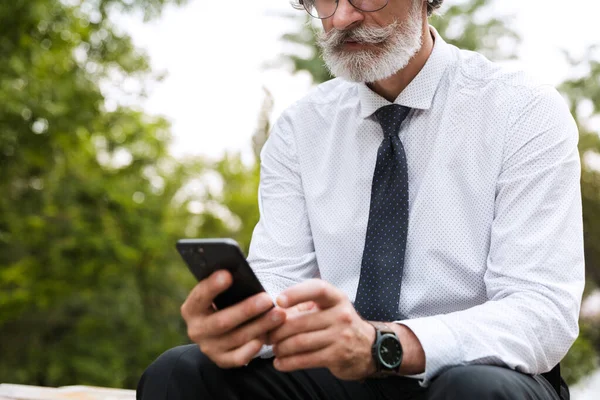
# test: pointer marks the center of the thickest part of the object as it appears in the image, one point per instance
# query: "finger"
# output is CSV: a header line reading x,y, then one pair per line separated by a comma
x,y
240,356
315,359
232,317
255,329
300,323
200,299
304,343
321,292
309,306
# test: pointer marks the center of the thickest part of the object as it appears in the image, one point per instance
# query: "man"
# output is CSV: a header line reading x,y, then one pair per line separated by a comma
x,y
420,230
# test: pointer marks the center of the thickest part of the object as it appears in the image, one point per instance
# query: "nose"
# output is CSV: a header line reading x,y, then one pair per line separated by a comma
x,y
346,16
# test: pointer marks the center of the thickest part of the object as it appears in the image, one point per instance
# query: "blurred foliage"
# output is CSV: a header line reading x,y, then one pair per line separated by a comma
x,y
583,355
92,203
583,94
472,25
305,40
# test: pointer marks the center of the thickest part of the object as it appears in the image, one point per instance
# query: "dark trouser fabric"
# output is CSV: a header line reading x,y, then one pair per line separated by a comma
x,y
185,373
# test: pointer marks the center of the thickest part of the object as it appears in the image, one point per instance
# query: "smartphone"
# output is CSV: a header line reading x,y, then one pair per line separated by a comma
x,y
205,256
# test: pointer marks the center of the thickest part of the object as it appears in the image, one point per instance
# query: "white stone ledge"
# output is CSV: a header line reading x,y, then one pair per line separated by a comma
x,y
23,392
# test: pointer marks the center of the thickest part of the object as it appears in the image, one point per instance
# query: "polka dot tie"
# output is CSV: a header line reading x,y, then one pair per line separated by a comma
x,y
377,298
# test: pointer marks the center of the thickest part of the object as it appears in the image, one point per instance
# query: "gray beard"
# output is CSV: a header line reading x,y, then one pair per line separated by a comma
x,y
396,44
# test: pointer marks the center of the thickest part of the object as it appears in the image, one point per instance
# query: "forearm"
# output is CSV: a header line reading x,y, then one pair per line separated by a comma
x,y
524,331
413,356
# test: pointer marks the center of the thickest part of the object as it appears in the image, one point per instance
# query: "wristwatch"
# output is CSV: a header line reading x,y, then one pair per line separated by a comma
x,y
386,350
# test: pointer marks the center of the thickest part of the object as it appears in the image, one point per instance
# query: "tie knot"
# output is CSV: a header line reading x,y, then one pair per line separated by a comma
x,y
390,117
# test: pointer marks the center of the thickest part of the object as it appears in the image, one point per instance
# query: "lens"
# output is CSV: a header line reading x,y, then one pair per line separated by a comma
x,y
369,5
320,8
198,258
326,8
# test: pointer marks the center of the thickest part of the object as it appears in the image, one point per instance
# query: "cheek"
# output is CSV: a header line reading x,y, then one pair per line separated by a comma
x,y
384,21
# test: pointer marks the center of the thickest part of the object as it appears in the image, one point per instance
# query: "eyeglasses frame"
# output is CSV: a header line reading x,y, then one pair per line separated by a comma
x,y
337,3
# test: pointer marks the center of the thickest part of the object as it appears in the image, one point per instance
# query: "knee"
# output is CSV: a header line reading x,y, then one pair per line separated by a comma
x,y
175,361
179,365
482,382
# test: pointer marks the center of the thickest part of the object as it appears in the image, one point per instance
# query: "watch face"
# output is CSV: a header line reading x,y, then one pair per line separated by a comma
x,y
390,351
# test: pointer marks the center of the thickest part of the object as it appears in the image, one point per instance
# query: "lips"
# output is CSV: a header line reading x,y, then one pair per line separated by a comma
x,y
360,41
357,43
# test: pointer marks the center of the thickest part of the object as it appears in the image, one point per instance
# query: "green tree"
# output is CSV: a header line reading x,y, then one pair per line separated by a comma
x,y
460,24
583,95
91,205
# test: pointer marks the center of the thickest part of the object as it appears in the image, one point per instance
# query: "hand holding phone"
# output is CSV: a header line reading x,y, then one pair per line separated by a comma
x,y
205,256
231,335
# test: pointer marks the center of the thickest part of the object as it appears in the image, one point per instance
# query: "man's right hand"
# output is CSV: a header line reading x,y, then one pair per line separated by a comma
x,y
223,335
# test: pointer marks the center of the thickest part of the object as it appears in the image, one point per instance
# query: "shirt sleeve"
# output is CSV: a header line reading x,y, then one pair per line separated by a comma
x,y
281,251
535,266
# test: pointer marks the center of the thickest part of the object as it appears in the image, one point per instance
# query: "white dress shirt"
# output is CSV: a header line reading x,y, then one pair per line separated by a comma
x,y
494,266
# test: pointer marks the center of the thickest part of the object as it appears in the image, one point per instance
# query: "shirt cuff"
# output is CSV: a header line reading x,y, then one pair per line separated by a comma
x,y
442,349
266,351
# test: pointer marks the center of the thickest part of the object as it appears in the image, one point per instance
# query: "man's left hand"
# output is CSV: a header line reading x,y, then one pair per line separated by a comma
x,y
329,333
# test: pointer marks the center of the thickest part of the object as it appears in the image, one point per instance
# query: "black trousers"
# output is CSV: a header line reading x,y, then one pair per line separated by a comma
x,y
185,373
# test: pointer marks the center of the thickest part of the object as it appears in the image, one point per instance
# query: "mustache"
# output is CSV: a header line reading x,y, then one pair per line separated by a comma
x,y
363,34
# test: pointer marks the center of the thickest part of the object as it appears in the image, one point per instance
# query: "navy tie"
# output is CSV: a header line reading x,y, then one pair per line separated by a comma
x,y
378,294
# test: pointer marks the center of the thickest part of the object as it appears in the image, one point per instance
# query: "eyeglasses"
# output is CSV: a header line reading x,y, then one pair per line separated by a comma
x,y
323,9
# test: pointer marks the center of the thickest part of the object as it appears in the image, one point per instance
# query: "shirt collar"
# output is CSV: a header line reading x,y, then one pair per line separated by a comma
x,y
420,92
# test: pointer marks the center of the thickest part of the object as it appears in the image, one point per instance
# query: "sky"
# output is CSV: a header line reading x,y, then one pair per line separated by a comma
x,y
214,54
